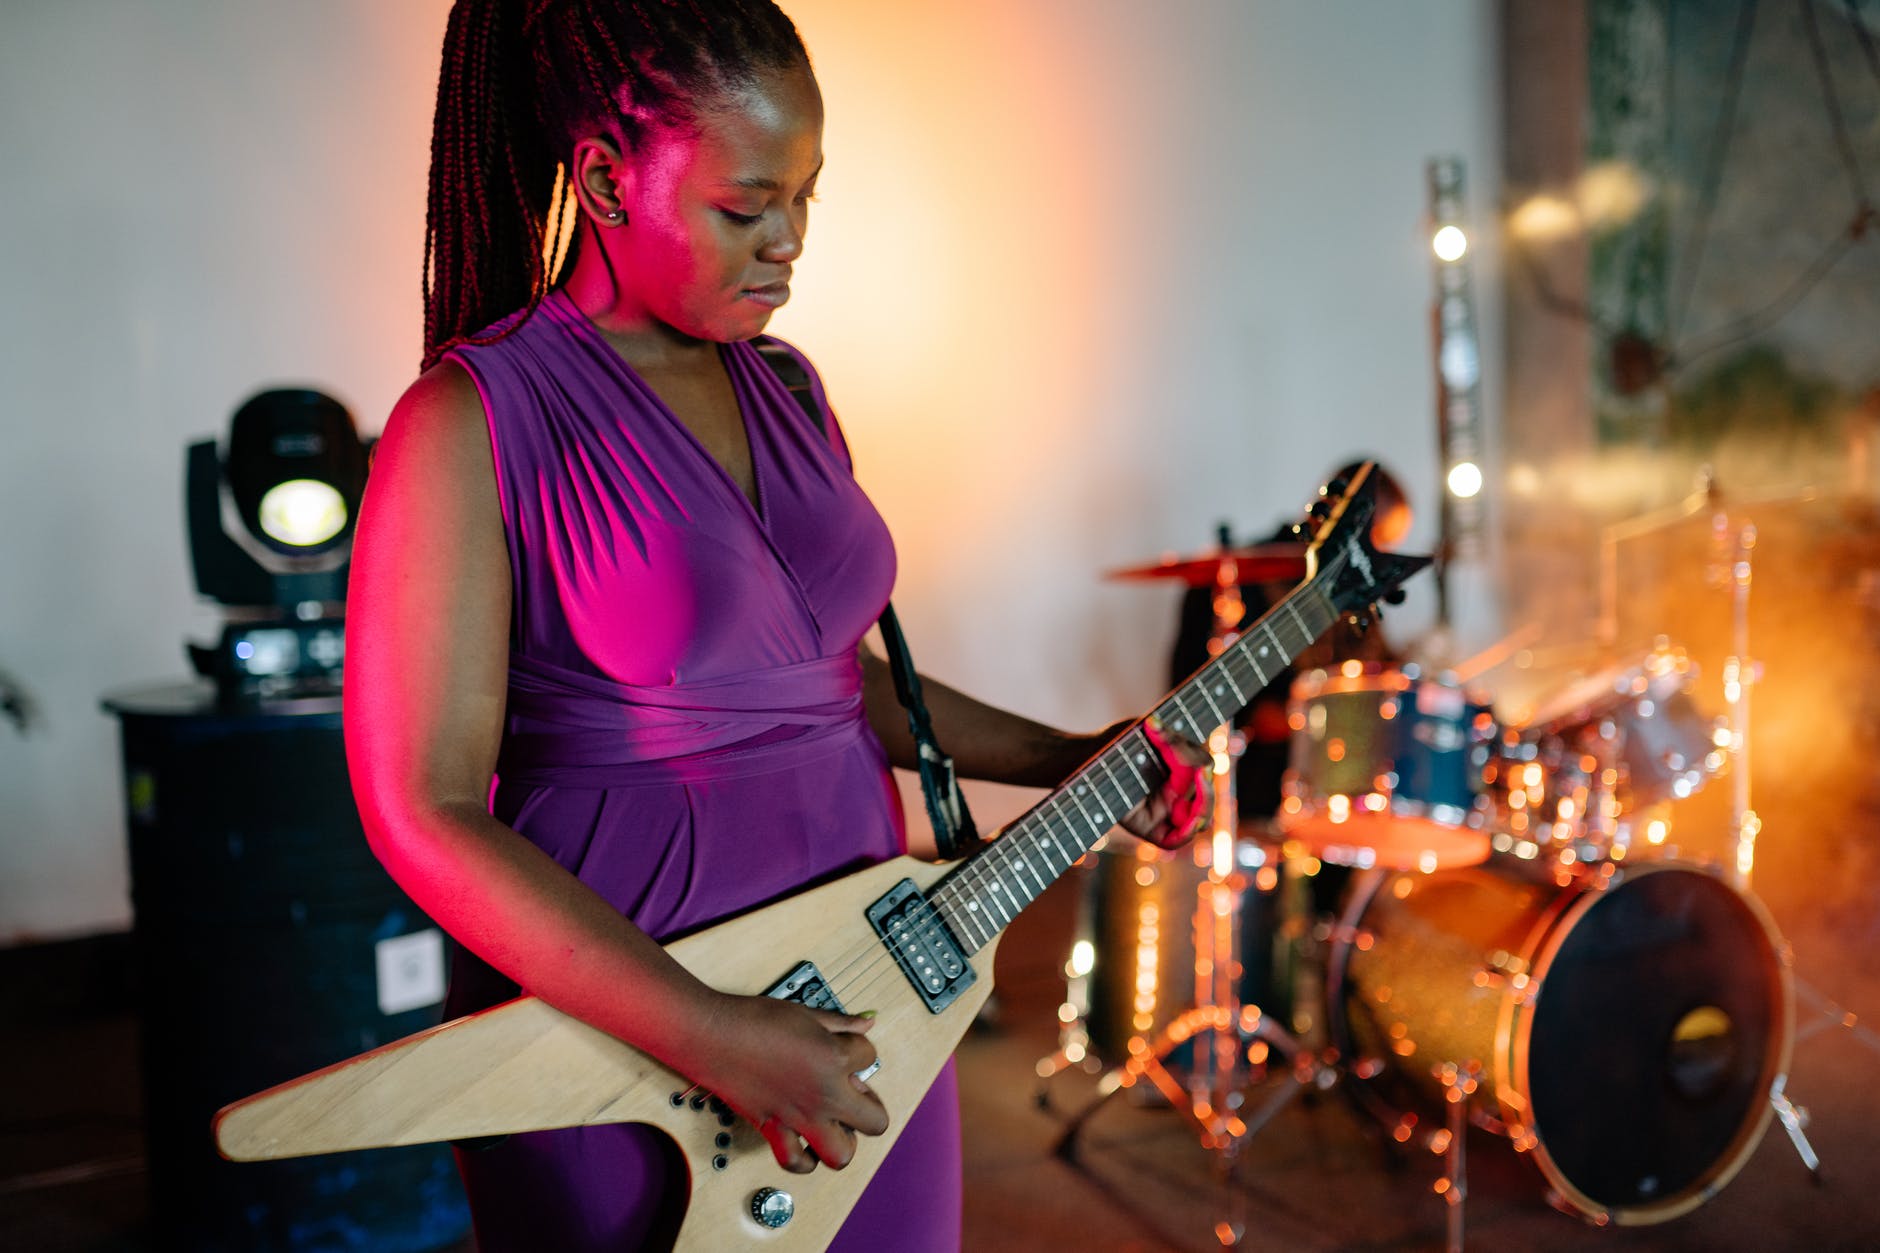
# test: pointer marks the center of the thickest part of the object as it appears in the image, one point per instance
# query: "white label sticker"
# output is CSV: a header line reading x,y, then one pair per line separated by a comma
x,y
411,971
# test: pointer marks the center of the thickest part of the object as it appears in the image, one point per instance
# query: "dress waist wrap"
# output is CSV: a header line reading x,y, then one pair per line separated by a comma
x,y
568,729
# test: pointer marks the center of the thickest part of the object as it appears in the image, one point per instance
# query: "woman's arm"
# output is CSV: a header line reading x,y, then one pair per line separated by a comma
x,y
999,746
427,647
984,741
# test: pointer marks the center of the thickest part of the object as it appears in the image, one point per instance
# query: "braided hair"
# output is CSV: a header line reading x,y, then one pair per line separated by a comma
x,y
522,81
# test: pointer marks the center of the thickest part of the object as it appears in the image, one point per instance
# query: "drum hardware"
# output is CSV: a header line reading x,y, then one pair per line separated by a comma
x,y
1230,1042
1741,673
1451,1144
1732,545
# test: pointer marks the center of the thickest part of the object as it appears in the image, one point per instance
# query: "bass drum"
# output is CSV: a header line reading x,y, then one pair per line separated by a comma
x,y
1626,1027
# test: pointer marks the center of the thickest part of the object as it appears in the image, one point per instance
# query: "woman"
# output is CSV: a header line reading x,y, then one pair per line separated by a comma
x,y
607,561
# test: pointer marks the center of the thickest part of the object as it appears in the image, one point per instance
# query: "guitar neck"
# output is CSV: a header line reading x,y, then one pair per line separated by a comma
x,y
982,896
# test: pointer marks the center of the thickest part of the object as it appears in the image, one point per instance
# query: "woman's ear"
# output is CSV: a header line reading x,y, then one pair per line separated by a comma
x,y
603,180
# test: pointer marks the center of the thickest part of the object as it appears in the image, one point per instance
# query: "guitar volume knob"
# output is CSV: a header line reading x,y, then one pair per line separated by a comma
x,y
772,1207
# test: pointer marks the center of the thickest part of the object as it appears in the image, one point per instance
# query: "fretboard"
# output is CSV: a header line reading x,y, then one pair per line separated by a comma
x,y
982,896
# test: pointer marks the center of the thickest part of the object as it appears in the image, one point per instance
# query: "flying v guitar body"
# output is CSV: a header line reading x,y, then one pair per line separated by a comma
x,y
525,1064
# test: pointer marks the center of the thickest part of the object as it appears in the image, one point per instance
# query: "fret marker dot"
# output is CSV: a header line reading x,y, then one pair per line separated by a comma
x,y
1263,650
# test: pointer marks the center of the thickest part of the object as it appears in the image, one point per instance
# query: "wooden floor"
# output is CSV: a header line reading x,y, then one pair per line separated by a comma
x,y
72,1171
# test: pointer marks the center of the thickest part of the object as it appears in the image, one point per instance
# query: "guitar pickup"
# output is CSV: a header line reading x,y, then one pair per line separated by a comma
x,y
923,945
806,986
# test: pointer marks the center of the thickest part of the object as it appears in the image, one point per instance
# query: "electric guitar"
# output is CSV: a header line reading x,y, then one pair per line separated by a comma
x,y
910,939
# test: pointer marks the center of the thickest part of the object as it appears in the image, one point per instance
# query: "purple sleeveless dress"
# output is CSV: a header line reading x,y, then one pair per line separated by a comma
x,y
684,728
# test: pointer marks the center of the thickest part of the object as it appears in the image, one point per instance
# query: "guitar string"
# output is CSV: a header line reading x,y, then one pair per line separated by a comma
x,y
879,953
981,869
1069,791
886,952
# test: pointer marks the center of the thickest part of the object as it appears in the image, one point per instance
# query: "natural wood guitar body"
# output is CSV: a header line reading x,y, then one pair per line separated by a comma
x,y
525,1065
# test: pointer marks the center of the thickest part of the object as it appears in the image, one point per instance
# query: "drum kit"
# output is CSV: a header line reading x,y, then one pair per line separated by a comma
x,y
1515,946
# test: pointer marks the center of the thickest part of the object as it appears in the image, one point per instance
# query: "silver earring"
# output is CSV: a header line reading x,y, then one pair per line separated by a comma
x,y
616,217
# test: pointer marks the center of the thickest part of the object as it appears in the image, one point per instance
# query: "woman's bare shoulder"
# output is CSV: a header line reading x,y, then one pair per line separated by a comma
x,y
442,406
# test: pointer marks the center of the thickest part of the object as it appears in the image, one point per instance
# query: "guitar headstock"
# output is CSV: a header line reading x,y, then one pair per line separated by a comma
x,y
1354,574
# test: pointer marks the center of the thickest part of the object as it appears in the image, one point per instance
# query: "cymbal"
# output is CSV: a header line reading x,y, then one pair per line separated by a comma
x,y
1252,563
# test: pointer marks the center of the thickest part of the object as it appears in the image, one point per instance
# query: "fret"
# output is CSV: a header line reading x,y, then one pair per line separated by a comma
x,y
982,924
1267,649
1290,605
1139,791
1095,825
1051,851
1141,770
1227,676
1057,841
995,906
999,886
1220,715
1068,811
1024,863
1074,841
958,910
1100,810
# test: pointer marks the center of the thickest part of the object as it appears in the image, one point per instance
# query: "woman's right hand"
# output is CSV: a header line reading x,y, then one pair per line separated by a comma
x,y
792,1072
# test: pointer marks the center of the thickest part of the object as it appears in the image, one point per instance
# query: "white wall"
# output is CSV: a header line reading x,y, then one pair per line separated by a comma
x,y
1084,281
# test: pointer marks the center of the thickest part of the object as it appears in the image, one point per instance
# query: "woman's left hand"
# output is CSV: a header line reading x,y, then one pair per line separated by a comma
x,y
1177,810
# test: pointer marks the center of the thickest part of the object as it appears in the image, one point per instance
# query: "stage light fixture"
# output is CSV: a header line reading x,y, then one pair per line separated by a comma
x,y
303,512
1458,362
270,531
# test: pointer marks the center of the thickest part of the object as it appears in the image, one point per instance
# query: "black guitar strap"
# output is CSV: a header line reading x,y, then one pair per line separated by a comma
x,y
953,829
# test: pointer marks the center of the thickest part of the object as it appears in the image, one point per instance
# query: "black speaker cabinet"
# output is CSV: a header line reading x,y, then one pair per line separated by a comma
x,y
270,943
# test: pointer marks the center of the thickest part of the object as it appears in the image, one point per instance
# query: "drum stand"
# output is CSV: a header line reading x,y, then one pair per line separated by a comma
x,y
1233,1042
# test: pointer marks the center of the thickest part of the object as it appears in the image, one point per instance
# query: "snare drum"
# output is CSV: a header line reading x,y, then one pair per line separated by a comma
x,y
1386,769
1627,1027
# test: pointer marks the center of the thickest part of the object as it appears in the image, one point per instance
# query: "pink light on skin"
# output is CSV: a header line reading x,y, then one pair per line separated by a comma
x,y
714,218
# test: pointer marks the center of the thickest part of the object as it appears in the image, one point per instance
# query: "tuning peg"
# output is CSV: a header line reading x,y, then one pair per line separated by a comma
x,y
1336,487
1394,597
